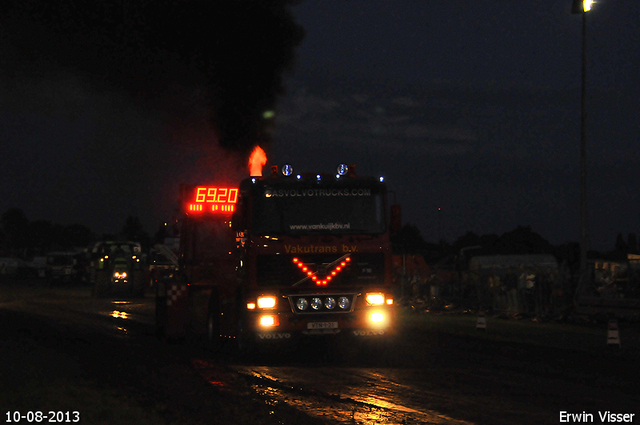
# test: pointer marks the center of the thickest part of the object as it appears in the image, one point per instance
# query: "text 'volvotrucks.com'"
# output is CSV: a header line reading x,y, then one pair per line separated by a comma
x,y
283,257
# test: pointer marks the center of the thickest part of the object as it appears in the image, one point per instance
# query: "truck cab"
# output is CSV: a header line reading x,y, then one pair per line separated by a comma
x,y
294,256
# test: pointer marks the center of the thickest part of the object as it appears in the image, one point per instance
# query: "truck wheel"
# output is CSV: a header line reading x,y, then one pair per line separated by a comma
x,y
245,343
213,323
213,332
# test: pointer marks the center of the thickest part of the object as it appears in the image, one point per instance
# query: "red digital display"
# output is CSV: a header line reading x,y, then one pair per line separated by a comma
x,y
213,199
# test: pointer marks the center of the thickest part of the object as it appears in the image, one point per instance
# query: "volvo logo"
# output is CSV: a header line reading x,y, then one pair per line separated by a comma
x,y
368,333
283,335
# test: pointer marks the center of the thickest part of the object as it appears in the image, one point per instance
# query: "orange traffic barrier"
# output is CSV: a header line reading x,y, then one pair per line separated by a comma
x,y
613,334
482,321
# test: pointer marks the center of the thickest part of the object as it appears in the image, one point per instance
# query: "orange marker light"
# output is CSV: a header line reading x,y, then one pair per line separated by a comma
x,y
256,161
311,274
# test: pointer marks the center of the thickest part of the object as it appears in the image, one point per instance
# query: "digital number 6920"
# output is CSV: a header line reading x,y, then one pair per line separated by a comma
x,y
216,195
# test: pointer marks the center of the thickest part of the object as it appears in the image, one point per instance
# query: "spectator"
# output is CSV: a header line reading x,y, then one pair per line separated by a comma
x,y
511,288
557,294
497,292
542,292
529,292
522,288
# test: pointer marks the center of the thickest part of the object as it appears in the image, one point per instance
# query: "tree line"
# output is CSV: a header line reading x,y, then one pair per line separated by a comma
x,y
520,241
25,238
20,236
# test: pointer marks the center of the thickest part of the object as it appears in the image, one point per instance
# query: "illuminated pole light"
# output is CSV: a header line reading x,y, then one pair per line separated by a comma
x,y
582,7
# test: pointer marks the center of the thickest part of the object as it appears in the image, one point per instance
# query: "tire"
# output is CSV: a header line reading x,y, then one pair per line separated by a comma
x,y
246,344
213,332
213,341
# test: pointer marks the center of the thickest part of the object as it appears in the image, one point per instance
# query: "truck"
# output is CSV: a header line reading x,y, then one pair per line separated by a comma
x,y
116,268
61,267
283,258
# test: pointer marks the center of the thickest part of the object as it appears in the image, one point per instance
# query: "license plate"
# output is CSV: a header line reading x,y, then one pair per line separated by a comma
x,y
322,325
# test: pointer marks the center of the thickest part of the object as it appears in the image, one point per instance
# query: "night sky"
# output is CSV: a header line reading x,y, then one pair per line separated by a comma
x,y
471,110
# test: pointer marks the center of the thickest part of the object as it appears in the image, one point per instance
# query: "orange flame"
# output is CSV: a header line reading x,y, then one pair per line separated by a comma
x,y
256,161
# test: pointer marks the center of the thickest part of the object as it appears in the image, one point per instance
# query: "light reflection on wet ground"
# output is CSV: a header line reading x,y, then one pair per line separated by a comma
x,y
75,303
346,395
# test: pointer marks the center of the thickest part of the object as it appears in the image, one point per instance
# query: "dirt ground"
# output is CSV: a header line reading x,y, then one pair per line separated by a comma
x,y
48,367
128,376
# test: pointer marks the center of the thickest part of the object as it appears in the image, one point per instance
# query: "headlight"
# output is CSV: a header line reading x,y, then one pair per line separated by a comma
x,y
375,298
316,303
344,303
302,303
267,301
268,321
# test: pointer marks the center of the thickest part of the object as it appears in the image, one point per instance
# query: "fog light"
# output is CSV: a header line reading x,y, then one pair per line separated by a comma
x,y
330,303
344,303
268,321
302,304
377,317
316,303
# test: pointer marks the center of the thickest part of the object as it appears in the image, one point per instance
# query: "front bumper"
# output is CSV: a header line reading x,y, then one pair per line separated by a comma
x,y
277,326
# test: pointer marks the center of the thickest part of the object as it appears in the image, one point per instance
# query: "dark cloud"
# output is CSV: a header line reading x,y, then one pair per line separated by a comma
x,y
106,107
195,61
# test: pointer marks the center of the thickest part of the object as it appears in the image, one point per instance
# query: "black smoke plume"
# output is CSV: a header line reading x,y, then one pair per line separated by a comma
x,y
222,61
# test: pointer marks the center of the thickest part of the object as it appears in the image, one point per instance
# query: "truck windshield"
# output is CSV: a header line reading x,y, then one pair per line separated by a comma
x,y
312,210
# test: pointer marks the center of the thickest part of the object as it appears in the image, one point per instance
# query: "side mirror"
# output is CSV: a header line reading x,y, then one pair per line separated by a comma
x,y
396,218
